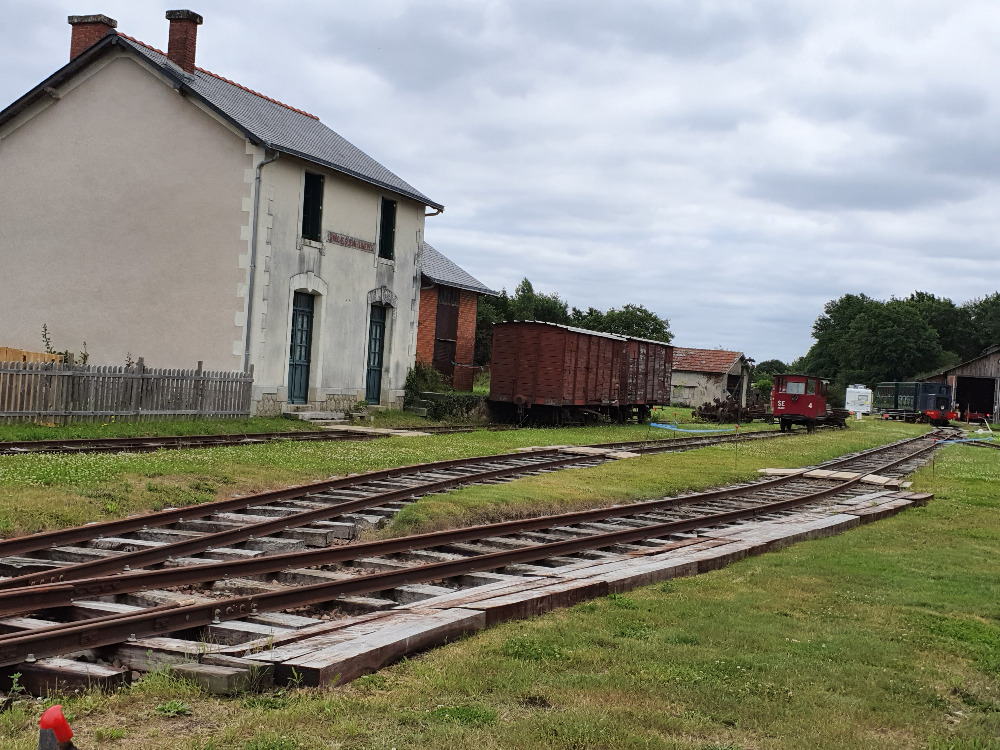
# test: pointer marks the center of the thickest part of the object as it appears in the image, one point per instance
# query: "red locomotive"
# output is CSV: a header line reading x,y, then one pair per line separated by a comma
x,y
801,399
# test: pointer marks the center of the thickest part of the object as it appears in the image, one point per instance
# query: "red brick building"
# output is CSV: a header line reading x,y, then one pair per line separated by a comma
x,y
446,329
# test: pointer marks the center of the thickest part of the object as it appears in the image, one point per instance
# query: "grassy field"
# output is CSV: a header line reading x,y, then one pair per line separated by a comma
x,y
884,637
113,428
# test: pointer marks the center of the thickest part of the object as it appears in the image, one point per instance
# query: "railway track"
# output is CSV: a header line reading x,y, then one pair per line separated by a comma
x,y
313,515
148,444
201,583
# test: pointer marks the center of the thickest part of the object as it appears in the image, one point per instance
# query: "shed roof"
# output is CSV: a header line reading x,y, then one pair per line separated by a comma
x,y
988,353
263,120
705,360
441,270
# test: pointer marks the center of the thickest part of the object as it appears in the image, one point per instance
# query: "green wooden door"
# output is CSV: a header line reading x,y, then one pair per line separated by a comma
x,y
376,348
301,348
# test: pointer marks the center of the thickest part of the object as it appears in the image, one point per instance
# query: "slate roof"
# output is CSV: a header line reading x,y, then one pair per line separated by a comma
x,y
704,360
264,120
441,270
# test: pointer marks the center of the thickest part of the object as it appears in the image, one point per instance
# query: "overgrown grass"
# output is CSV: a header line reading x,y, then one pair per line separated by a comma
x,y
46,491
112,428
481,384
640,478
885,637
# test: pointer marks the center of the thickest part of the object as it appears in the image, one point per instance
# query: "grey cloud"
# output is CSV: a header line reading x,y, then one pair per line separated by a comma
x,y
699,31
671,153
873,191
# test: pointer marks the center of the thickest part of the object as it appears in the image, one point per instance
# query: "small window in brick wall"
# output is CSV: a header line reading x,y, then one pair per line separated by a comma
x,y
312,208
447,295
387,230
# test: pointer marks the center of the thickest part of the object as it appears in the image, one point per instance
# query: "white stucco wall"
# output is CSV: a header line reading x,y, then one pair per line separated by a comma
x,y
127,223
695,388
123,221
341,278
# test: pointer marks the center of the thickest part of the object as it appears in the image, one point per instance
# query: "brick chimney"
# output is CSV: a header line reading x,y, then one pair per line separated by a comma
x,y
88,31
183,38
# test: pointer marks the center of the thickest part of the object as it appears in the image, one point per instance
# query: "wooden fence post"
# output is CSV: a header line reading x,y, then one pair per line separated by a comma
x,y
201,390
137,389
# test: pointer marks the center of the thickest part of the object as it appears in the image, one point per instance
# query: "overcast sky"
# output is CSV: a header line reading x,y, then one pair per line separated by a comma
x,y
730,164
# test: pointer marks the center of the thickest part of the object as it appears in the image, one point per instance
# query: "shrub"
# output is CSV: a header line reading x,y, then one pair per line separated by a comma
x,y
420,379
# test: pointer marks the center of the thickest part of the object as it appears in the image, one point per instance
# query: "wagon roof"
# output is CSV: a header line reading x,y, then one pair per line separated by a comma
x,y
704,360
614,336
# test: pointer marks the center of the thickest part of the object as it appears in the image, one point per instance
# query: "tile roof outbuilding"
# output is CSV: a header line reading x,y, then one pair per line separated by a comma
x,y
704,360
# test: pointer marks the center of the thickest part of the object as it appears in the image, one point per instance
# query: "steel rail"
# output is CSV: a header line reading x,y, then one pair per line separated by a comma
x,y
53,640
207,542
125,561
32,596
46,539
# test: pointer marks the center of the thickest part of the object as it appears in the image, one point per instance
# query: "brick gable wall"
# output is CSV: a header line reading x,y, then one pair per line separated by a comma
x,y
426,323
465,345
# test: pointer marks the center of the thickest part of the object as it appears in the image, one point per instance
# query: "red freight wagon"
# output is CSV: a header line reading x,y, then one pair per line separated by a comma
x,y
799,399
646,372
558,373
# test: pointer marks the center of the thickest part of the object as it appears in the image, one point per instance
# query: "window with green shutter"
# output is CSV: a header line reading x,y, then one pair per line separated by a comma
x,y
312,208
387,230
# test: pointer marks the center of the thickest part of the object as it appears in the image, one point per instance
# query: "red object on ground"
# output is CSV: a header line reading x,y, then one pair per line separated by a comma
x,y
53,719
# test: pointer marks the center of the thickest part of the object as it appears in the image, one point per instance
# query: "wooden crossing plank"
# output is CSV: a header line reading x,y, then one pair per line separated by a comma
x,y
405,635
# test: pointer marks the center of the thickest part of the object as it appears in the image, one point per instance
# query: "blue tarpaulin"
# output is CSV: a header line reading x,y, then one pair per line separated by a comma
x,y
970,440
675,428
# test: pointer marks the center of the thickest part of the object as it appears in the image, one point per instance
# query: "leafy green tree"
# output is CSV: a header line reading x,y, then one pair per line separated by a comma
x,y
771,367
985,314
763,375
592,319
527,304
891,341
637,321
829,355
490,310
953,324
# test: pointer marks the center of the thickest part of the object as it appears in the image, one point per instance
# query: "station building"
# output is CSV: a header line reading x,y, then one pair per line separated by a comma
x,y
152,208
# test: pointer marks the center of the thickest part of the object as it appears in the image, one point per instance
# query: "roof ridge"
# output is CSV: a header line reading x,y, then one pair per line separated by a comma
x,y
139,42
257,93
223,78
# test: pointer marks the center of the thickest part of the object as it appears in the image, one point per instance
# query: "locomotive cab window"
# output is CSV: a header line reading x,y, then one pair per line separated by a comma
x,y
810,387
795,388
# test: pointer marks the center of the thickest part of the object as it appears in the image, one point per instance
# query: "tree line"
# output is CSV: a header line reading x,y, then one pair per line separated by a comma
x,y
527,304
864,340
